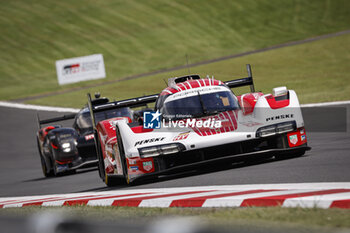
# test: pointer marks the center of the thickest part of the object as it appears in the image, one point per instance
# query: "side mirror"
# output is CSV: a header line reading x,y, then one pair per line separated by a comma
x,y
97,95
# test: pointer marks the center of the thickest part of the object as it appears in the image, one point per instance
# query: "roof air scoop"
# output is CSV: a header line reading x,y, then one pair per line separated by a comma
x,y
173,81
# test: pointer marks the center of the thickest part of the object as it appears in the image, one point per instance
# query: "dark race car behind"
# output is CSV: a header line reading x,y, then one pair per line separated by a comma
x,y
65,149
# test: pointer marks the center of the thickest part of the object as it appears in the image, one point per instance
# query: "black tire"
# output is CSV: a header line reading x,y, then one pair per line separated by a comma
x,y
109,181
54,168
113,181
101,166
122,156
46,172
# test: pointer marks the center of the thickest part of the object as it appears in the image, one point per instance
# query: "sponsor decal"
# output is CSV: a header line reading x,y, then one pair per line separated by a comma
x,y
303,137
71,69
89,137
134,168
293,139
302,131
147,165
181,136
138,143
202,90
280,117
211,123
152,120
80,69
132,162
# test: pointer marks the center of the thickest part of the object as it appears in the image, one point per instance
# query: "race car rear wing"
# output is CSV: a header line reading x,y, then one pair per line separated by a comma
x,y
248,81
55,119
132,103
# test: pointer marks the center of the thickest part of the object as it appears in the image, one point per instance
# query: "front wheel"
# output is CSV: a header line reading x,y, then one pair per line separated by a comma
x,y
110,181
46,171
101,165
54,168
122,157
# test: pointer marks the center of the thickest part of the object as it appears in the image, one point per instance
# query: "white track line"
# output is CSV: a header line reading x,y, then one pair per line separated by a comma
x,y
37,107
325,104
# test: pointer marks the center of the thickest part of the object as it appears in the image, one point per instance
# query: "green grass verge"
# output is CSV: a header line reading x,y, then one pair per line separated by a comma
x,y
139,36
262,216
317,71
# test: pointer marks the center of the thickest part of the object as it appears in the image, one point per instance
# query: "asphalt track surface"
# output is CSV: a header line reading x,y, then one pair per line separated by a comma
x,y
328,161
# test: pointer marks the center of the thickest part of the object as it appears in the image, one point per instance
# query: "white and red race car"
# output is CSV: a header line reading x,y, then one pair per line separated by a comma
x,y
197,122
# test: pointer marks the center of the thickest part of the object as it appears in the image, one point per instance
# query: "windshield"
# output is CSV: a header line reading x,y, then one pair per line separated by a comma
x,y
120,112
199,105
84,120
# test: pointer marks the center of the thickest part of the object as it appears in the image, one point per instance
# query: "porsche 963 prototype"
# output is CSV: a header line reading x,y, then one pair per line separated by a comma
x,y
197,122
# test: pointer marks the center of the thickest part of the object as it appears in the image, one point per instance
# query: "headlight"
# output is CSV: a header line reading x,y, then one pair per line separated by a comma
x,y
149,152
285,127
66,147
276,129
169,149
161,150
266,131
